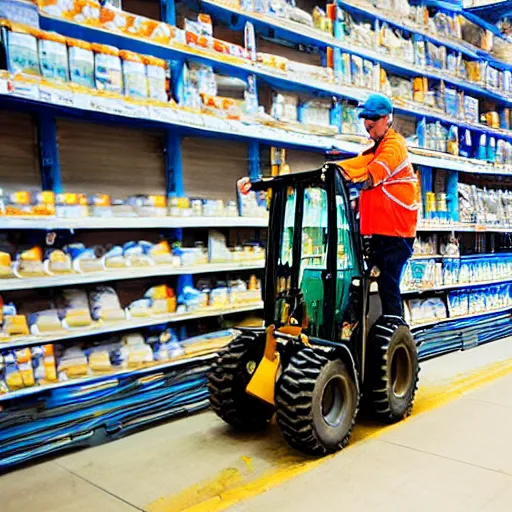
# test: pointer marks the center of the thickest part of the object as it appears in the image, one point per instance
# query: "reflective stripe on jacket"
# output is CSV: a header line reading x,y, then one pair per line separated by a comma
x,y
390,206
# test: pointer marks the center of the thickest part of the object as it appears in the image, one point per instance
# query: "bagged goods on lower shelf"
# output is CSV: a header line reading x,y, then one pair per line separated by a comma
x,y
418,311
105,304
48,364
74,306
12,323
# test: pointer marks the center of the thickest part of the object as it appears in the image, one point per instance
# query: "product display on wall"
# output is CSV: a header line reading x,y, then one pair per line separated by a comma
x,y
127,256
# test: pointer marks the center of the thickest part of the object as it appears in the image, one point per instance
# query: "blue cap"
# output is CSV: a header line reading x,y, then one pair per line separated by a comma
x,y
376,105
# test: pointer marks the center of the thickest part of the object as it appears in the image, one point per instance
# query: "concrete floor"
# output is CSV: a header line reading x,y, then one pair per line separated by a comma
x,y
453,454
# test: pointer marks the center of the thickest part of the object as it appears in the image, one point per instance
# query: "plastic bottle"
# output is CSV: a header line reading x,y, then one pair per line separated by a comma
x,y
421,132
482,148
491,150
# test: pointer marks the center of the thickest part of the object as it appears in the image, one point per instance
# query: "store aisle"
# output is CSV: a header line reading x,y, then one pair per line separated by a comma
x,y
453,454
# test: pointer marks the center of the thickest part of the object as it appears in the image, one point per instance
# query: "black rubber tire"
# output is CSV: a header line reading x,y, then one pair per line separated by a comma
x,y
392,369
227,380
300,395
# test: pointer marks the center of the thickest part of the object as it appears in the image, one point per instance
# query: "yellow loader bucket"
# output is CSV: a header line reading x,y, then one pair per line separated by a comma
x,y
263,382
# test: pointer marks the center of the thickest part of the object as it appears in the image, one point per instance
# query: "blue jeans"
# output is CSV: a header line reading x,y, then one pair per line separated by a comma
x,y
390,254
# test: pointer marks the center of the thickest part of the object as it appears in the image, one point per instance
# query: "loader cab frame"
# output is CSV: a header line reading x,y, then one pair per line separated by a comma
x,y
319,283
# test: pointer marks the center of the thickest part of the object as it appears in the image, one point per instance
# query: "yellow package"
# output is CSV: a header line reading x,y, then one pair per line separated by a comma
x,y
29,263
24,361
16,325
44,203
79,317
5,265
58,262
99,361
43,362
161,254
13,378
73,364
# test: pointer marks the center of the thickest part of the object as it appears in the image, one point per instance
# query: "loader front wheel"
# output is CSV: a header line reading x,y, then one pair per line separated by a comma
x,y
317,402
228,378
392,370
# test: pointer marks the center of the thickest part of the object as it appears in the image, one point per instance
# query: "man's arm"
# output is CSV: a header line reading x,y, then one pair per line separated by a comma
x,y
372,170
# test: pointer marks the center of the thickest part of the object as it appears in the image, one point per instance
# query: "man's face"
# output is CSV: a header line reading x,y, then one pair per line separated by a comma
x,y
376,128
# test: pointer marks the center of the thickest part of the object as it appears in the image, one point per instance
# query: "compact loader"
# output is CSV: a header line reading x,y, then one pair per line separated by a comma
x,y
321,355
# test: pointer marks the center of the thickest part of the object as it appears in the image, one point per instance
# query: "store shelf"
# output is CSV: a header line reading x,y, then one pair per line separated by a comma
x,y
207,125
457,318
53,223
297,33
122,275
367,10
97,379
457,286
275,77
187,123
460,228
124,325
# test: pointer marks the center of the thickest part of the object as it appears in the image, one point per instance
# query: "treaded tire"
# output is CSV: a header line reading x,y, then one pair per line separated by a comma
x,y
227,380
306,420
392,370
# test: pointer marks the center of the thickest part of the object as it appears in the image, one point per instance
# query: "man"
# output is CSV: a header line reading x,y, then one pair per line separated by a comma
x,y
389,199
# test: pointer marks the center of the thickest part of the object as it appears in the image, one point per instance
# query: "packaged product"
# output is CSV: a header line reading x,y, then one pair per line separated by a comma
x,y
12,375
84,259
70,205
81,62
114,19
136,253
105,304
79,11
75,308
156,77
14,324
148,206
57,261
163,299
29,263
43,363
23,52
356,71
140,308
45,322
3,385
134,75
162,255
104,357
72,364
114,258
192,299
107,68
5,265
53,56
135,353
24,362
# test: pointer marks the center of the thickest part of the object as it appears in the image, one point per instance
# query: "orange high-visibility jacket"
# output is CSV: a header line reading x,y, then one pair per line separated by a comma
x,y
390,206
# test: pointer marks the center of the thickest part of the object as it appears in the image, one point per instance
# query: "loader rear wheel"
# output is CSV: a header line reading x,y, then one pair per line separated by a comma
x,y
392,370
227,380
317,402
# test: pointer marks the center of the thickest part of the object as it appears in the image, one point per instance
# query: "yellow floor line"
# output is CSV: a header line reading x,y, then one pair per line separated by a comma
x,y
230,486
